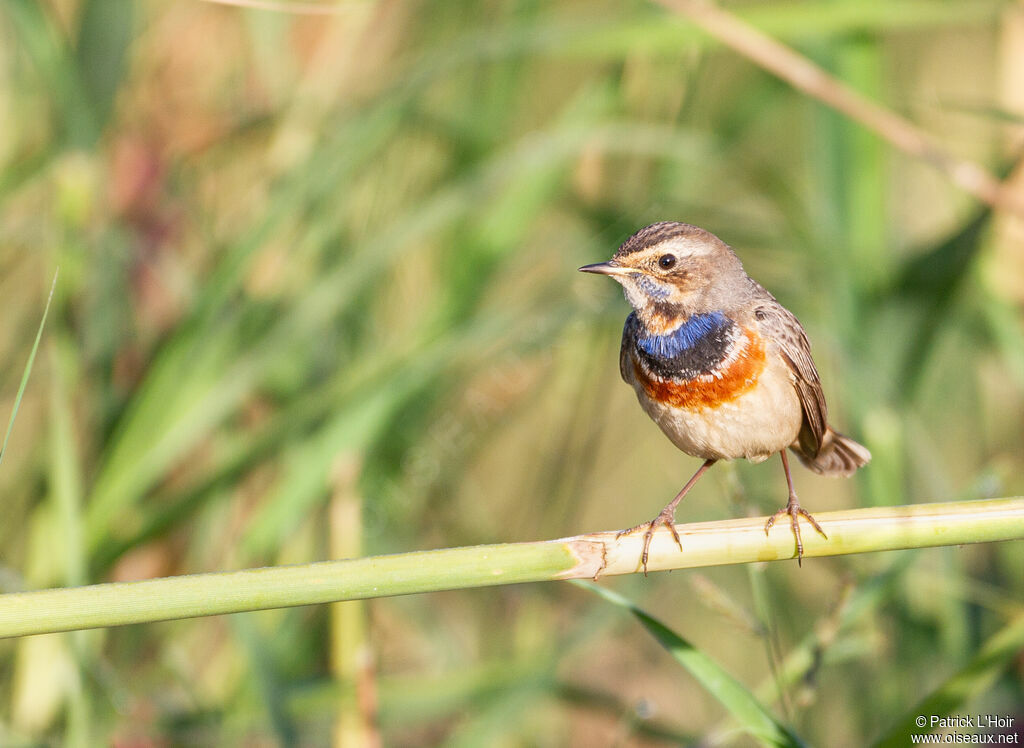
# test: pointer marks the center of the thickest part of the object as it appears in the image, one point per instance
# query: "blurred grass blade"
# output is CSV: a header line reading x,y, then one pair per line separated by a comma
x,y
732,694
105,31
968,684
802,660
267,680
38,34
65,473
28,367
935,278
305,466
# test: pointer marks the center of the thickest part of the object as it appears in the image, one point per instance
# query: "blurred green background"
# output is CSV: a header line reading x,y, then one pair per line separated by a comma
x,y
318,298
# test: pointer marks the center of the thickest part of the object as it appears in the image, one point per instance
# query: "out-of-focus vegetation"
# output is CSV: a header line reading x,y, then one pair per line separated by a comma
x,y
318,299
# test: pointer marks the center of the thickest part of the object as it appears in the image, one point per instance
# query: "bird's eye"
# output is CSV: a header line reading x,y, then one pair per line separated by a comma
x,y
666,261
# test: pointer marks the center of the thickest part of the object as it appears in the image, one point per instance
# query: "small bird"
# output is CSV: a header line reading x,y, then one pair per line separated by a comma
x,y
722,367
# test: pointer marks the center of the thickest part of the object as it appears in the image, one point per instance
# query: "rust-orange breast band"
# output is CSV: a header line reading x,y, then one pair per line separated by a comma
x,y
737,376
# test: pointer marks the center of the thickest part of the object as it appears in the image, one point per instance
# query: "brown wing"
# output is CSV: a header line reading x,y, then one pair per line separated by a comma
x,y
779,324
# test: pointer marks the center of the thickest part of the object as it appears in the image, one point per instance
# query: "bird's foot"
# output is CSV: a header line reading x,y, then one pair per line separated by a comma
x,y
795,511
667,517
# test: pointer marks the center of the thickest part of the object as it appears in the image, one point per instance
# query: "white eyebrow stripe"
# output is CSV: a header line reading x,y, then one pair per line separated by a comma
x,y
681,252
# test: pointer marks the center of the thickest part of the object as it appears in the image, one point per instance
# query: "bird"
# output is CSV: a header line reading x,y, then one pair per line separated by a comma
x,y
720,365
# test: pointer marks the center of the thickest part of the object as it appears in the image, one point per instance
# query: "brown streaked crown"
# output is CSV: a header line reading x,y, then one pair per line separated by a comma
x,y
656,233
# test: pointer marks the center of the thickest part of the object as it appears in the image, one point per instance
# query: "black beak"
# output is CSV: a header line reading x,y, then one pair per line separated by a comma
x,y
603,268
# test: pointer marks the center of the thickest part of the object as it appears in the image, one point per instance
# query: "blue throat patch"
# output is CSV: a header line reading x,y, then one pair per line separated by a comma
x,y
651,287
685,338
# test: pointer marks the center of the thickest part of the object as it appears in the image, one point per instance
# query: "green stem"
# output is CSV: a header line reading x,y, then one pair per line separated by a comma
x,y
582,556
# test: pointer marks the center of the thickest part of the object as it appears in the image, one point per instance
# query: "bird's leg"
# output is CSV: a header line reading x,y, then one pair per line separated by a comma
x,y
666,517
795,511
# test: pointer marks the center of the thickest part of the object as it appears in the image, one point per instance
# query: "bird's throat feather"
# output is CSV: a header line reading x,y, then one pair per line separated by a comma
x,y
697,346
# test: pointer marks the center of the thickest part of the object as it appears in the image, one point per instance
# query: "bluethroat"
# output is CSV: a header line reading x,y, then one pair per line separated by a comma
x,y
722,367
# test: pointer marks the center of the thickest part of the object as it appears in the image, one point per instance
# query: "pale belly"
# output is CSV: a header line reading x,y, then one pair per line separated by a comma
x,y
762,421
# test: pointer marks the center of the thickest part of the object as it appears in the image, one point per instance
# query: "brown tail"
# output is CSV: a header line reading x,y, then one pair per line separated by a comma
x,y
839,455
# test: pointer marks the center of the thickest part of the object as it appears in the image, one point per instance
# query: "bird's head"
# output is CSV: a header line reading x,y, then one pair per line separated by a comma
x,y
671,270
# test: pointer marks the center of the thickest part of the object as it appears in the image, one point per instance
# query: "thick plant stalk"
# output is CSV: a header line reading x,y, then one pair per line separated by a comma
x,y
583,556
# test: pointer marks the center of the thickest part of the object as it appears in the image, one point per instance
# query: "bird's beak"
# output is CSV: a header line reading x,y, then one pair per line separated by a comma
x,y
606,268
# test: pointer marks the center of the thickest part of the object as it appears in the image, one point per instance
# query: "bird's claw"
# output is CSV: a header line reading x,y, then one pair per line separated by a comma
x,y
666,518
795,511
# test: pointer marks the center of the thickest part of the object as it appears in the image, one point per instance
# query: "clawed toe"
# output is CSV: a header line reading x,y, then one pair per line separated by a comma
x,y
666,518
795,511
